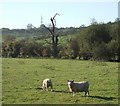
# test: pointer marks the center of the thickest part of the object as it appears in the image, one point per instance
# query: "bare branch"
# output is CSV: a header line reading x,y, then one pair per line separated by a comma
x,y
54,18
56,15
48,29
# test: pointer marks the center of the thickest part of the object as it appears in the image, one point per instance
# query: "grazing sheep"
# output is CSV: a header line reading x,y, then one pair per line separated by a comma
x,y
78,87
46,84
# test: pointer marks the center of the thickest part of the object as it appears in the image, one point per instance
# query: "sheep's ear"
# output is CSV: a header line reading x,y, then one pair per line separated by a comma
x,y
67,80
72,80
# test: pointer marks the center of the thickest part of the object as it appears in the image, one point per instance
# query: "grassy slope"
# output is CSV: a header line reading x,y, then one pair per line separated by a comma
x,y
62,40
21,78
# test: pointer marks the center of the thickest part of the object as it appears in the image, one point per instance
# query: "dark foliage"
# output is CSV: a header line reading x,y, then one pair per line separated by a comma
x,y
97,42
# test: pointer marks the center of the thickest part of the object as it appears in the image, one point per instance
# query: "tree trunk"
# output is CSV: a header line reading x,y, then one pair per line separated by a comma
x,y
54,44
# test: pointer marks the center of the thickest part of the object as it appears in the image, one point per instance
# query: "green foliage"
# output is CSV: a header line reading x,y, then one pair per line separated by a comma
x,y
98,33
113,49
37,33
22,80
74,48
92,42
99,42
25,48
101,52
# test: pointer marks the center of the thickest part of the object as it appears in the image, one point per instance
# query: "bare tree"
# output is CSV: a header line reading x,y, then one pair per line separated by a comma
x,y
54,44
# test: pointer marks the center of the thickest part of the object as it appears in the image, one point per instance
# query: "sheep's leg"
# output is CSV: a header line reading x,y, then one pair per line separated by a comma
x,y
43,88
73,94
51,88
88,93
46,88
85,93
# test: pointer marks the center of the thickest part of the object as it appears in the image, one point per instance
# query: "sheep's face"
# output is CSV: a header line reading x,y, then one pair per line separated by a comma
x,y
70,82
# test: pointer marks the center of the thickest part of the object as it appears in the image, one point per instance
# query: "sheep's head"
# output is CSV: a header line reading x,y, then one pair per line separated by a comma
x,y
70,82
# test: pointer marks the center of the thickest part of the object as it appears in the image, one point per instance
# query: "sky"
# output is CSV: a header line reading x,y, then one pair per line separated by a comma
x,y
17,15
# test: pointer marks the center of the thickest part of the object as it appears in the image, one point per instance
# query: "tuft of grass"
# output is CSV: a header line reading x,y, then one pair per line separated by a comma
x,y
22,80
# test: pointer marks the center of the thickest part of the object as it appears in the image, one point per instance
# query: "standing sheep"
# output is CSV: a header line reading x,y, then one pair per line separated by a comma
x,y
78,87
46,84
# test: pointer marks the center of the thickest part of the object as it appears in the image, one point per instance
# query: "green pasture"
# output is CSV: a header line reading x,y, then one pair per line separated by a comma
x,y
22,79
63,40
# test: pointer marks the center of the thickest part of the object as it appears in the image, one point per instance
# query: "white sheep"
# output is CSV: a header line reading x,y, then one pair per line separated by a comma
x,y
46,84
78,86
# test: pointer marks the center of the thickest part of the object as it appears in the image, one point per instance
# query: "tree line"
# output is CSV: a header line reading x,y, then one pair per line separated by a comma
x,y
37,33
99,41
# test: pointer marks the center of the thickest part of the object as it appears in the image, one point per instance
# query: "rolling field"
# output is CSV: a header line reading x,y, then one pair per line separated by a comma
x,y
21,80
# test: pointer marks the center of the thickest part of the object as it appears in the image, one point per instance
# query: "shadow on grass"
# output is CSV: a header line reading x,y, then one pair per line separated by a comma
x,y
38,88
103,97
58,91
98,97
61,91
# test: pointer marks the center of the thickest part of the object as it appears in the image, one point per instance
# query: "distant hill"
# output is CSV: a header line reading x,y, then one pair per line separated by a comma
x,y
40,32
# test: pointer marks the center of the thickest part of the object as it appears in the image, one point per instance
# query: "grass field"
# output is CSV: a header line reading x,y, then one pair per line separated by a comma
x,y
21,79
